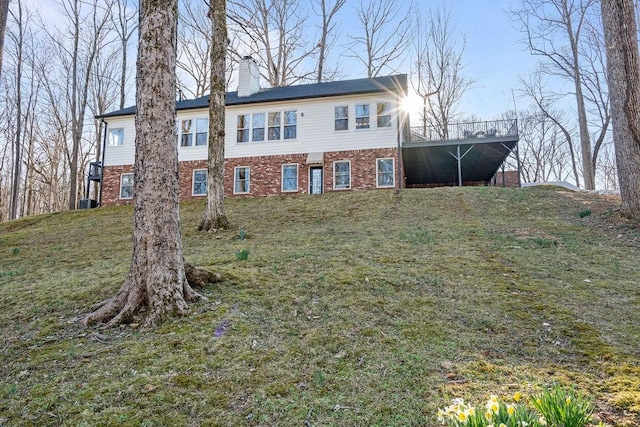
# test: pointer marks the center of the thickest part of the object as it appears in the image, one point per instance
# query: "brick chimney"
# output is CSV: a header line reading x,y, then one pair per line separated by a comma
x,y
249,77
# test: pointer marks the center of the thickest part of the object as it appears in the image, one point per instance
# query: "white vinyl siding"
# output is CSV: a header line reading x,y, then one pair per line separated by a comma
x,y
313,129
342,175
385,173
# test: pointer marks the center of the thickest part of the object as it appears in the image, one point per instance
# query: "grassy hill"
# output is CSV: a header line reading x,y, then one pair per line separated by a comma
x,y
358,309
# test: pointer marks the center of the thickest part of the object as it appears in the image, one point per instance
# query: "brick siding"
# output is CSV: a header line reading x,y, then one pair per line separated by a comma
x,y
265,176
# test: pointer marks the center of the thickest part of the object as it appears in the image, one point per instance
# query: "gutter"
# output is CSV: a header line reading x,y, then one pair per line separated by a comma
x,y
104,146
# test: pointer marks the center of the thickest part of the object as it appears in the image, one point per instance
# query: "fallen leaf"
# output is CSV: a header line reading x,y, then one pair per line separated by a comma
x,y
148,388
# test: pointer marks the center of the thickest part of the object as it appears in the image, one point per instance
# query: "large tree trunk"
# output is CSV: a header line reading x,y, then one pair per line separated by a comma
x,y
157,275
623,68
214,216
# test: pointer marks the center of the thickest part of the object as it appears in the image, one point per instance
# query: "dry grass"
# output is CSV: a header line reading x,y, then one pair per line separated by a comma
x,y
352,309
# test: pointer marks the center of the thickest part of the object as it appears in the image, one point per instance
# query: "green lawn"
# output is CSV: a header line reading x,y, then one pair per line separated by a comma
x,y
352,309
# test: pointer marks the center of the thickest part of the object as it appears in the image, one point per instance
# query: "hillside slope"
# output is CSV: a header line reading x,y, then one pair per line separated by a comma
x,y
367,308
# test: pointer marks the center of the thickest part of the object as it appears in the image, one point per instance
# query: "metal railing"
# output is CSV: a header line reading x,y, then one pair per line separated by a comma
x,y
466,130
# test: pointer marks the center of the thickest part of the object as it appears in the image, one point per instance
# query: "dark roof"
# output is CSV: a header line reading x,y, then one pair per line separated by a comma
x,y
394,84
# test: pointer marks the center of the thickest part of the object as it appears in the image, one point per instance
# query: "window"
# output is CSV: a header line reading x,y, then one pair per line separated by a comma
x,y
243,128
385,173
342,175
274,126
342,118
116,137
290,177
362,116
241,180
199,182
126,186
258,127
186,138
384,114
290,125
202,131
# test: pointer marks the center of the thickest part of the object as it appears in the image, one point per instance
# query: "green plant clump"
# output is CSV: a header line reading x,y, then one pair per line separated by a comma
x,y
563,407
584,213
242,254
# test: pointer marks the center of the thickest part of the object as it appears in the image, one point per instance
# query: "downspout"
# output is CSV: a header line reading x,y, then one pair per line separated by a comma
x,y
104,146
400,124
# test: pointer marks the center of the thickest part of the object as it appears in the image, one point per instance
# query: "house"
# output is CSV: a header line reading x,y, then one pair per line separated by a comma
x,y
312,139
305,139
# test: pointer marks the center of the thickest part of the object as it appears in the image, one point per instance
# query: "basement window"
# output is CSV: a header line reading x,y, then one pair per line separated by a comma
x,y
342,175
199,182
126,186
241,180
290,178
385,173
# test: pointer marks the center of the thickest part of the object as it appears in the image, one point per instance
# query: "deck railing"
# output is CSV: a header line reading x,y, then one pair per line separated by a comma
x,y
466,130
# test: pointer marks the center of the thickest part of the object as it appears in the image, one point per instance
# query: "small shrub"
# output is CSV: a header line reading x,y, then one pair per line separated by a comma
x,y
563,407
584,213
15,251
242,254
242,235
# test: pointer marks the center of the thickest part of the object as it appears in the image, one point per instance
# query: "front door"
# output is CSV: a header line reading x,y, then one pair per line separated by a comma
x,y
315,180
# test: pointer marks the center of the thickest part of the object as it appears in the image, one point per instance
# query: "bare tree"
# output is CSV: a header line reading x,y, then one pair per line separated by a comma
x,y
274,32
438,68
555,31
194,49
4,14
18,40
214,217
125,25
383,37
77,48
328,9
623,66
534,89
157,277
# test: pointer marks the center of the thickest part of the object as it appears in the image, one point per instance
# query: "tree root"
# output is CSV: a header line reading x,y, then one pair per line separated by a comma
x,y
131,299
219,223
198,277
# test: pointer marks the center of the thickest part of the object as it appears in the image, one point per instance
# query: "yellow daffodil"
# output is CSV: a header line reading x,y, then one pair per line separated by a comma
x,y
471,411
568,400
511,409
463,416
502,425
488,415
517,396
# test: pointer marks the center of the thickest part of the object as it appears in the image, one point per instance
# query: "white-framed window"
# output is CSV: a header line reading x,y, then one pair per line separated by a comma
x,y
342,175
116,137
202,132
290,177
243,127
258,127
275,122
384,114
362,116
341,116
290,125
241,181
385,173
126,186
186,136
199,182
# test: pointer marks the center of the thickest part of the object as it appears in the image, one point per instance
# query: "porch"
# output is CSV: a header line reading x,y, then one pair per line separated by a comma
x,y
468,153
